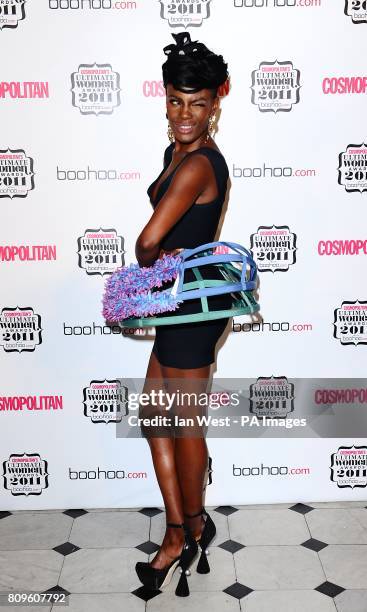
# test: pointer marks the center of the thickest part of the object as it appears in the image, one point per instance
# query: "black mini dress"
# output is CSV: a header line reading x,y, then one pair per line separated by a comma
x,y
192,345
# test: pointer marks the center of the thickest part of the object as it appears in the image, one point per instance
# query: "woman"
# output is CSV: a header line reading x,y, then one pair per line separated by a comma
x,y
187,198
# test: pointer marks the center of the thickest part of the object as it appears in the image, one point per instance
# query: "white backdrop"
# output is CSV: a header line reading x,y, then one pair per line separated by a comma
x,y
93,150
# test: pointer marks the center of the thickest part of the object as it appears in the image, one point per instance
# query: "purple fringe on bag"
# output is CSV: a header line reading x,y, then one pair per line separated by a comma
x,y
127,290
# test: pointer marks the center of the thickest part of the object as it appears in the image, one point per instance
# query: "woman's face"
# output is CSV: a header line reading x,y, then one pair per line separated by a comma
x,y
188,113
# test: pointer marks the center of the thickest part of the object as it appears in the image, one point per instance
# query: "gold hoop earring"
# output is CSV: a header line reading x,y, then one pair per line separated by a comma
x,y
211,127
170,134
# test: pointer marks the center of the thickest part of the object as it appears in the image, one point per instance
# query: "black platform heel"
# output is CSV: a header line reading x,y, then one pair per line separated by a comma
x,y
206,537
157,579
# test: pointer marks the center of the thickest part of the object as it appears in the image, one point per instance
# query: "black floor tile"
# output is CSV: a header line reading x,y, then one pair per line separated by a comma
x,y
145,594
75,513
148,547
314,544
231,546
66,548
238,590
301,508
330,589
150,511
226,510
4,514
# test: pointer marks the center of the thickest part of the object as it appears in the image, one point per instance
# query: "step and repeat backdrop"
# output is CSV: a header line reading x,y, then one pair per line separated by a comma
x,y
83,131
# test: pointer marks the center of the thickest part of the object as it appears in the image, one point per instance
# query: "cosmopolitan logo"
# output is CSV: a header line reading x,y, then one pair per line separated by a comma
x,y
275,86
185,13
24,89
17,403
25,474
273,248
43,252
91,4
95,175
353,168
105,401
342,247
341,396
357,10
344,85
350,323
100,251
20,329
11,12
16,173
349,467
271,397
95,89
153,89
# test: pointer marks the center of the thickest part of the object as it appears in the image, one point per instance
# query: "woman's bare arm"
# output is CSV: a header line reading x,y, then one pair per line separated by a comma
x,y
187,184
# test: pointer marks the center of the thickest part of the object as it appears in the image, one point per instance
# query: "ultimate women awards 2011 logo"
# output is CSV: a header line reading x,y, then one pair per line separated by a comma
x,y
101,251
16,173
11,12
350,322
353,168
275,86
105,401
349,467
271,396
357,10
273,248
20,329
185,13
95,89
25,474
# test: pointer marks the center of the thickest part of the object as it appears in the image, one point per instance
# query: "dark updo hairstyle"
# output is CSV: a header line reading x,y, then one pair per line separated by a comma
x,y
191,66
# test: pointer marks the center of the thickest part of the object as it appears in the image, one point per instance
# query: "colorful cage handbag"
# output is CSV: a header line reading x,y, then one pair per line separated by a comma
x,y
133,296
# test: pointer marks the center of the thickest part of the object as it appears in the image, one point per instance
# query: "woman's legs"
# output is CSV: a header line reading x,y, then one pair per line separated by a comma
x,y
163,457
180,463
191,452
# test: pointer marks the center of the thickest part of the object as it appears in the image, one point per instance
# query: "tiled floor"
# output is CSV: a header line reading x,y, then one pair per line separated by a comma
x,y
268,558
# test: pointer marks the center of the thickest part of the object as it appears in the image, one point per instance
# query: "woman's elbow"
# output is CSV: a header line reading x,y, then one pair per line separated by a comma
x,y
146,243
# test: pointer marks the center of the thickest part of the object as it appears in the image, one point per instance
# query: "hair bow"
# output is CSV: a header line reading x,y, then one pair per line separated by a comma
x,y
184,45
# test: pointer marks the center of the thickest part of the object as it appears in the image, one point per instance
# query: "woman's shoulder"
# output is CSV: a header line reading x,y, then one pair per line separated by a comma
x,y
168,153
215,156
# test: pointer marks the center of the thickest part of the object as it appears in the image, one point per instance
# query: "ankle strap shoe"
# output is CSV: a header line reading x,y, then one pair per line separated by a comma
x,y
157,579
206,537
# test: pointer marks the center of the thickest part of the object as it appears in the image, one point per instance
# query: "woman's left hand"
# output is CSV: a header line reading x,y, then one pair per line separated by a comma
x,y
172,252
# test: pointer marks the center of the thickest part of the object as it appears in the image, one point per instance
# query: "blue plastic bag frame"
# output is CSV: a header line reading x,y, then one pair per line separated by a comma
x,y
240,282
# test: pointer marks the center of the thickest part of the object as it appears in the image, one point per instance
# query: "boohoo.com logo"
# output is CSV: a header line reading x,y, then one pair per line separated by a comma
x,y
353,168
275,3
349,467
357,10
25,474
275,86
185,13
16,173
100,251
11,12
20,329
350,322
273,248
95,89
93,5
